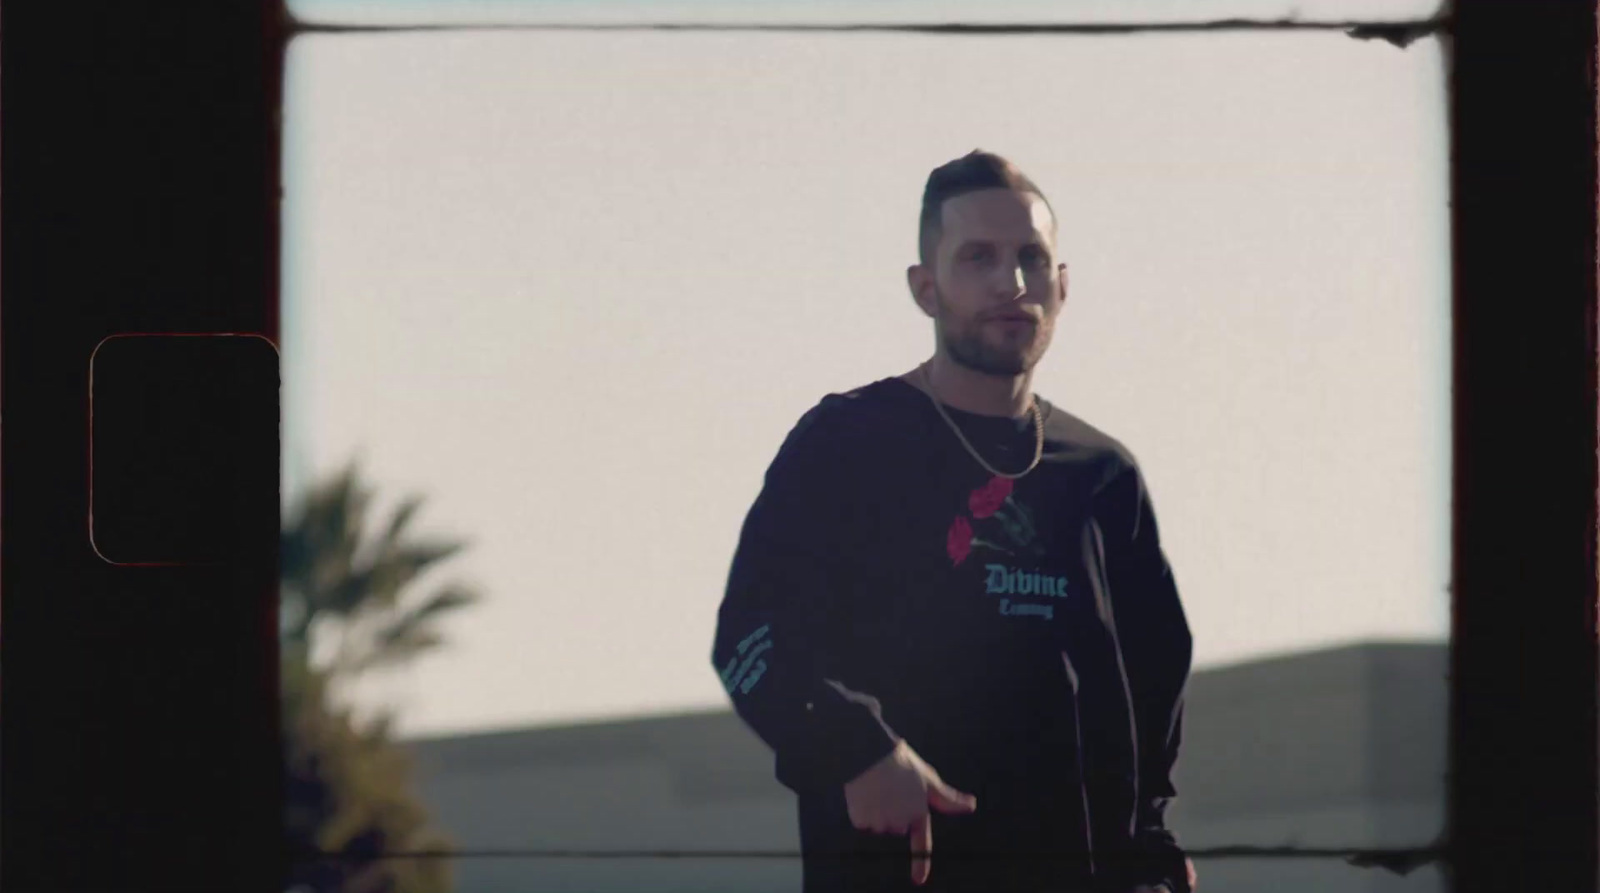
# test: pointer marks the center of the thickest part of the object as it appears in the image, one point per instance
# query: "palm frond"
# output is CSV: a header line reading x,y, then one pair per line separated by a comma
x,y
335,580
390,574
395,647
403,514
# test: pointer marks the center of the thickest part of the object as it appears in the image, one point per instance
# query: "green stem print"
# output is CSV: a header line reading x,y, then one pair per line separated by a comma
x,y
1026,534
988,545
1025,517
1014,530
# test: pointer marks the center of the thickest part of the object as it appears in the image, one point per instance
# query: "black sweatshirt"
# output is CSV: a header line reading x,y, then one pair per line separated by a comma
x,y
1024,637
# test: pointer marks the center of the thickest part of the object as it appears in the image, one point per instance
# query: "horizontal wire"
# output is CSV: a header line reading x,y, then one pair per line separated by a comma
x,y
1365,856
1399,33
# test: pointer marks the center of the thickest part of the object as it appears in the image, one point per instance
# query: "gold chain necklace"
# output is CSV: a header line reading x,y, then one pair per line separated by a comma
x,y
1038,429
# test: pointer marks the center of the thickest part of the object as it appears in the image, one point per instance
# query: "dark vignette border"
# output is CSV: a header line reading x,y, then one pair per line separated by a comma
x,y
139,182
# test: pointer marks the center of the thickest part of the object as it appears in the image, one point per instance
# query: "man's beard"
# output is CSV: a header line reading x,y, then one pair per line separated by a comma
x,y
965,344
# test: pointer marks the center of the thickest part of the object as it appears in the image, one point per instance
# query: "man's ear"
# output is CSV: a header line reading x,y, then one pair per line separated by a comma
x,y
919,281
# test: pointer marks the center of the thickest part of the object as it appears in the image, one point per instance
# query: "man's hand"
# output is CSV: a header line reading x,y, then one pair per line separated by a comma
x,y
893,797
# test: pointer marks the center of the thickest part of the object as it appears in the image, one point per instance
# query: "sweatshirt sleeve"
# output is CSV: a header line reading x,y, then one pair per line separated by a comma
x,y
1157,650
779,626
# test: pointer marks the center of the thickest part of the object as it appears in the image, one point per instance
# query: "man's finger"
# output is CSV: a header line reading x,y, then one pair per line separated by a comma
x,y
921,850
949,800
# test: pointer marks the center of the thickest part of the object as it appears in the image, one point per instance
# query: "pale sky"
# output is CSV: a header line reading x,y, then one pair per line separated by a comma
x,y
576,288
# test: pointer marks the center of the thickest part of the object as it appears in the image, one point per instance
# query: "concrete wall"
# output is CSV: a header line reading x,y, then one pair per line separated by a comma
x,y
1333,749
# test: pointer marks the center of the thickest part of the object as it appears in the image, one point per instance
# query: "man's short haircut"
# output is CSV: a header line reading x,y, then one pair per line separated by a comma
x,y
972,172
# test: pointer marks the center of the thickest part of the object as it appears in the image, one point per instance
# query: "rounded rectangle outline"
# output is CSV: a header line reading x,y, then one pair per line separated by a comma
x,y
90,489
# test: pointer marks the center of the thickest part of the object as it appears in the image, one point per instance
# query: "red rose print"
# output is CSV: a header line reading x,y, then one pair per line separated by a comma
x,y
986,500
959,541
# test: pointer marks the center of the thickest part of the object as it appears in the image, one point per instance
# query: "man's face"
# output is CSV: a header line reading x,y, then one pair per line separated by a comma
x,y
995,287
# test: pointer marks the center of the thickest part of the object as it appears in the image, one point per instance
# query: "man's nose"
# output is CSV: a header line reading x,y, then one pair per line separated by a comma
x,y
1010,282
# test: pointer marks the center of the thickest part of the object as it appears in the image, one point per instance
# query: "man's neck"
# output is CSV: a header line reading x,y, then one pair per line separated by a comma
x,y
966,389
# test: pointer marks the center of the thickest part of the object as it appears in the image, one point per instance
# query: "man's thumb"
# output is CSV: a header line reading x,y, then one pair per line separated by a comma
x,y
947,799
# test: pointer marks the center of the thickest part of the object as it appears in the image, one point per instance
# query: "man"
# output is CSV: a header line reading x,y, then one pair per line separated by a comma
x,y
949,614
